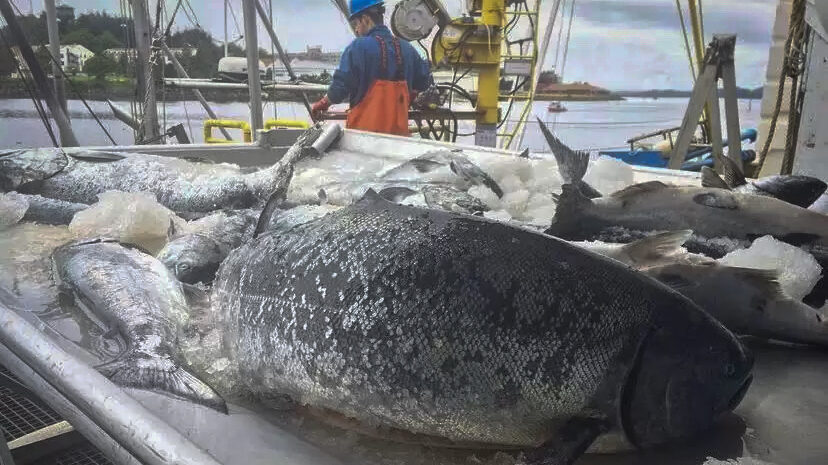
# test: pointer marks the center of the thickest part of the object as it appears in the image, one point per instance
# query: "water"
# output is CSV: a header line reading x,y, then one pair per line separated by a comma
x,y
586,125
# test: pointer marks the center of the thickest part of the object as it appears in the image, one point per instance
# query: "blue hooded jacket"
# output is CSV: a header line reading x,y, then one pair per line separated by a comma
x,y
359,67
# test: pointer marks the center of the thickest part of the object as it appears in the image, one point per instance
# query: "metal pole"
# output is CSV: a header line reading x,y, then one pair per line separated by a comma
x,y
698,43
146,84
123,418
282,55
254,84
727,45
54,48
39,76
701,91
225,29
183,74
553,16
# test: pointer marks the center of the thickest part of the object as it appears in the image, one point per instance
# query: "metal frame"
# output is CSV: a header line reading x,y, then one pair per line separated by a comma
x,y
718,63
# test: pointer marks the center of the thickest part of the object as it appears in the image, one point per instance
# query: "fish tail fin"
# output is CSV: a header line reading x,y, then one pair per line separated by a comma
x,y
161,374
733,175
276,199
572,164
710,178
657,246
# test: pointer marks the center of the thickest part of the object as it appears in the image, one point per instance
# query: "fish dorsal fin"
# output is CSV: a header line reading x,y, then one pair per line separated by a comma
x,y
635,189
657,246
717,198
710,178
96,157
767,281
733,175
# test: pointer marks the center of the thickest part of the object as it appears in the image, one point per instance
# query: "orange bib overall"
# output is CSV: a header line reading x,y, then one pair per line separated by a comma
x,y
385,106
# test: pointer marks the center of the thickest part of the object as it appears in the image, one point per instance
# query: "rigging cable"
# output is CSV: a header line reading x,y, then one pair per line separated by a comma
x,y
568,32
31,91
686,40
560,38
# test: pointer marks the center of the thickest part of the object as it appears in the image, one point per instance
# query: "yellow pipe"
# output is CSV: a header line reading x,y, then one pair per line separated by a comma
x,y
225,123
286,123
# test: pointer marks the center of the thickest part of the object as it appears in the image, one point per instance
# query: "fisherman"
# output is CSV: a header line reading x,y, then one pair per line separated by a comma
x,y
378,73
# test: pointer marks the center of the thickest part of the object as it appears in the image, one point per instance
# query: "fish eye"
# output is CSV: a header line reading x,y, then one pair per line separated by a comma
x,y
184,266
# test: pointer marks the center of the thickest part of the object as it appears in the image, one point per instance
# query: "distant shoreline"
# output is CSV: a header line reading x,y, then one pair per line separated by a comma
x,y
741,93
97,91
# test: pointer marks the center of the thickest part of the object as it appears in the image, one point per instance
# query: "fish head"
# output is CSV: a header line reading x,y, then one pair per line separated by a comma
x,y
688,373
18,168
193,258
795,189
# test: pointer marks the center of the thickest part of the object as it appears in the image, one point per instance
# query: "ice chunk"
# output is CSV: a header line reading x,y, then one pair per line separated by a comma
x,y
12,209
487,196
607,175
515,202
798,270
134,217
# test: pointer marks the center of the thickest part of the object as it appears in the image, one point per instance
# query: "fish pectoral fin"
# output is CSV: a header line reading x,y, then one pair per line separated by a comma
x,y
163,375
657,246
710,178
569,443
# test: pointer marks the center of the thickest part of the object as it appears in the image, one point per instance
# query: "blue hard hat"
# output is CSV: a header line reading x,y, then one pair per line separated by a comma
x,y
358,6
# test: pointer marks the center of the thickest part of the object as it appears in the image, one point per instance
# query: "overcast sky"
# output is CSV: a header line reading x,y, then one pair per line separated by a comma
x,y
619,44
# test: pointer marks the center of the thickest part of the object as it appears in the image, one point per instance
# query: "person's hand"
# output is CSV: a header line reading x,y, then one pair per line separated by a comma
x,y
320,107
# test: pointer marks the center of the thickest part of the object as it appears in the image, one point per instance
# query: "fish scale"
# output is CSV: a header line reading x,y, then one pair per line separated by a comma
x,y
455,314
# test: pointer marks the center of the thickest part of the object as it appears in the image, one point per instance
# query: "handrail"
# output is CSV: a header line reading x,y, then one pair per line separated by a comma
x,y
124,419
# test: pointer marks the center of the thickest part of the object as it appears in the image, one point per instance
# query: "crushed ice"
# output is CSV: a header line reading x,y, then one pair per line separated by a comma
x,y
798,270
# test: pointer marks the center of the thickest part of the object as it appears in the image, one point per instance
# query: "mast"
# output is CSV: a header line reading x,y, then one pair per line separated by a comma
x,y
54,49
254,84
39,77
282,55
146,84
225,28
553,15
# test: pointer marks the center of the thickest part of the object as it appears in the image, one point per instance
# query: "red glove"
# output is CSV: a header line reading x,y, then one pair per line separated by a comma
x,y
320,107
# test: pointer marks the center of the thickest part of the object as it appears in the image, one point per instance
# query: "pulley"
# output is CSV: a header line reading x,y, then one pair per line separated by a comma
x,y
414,19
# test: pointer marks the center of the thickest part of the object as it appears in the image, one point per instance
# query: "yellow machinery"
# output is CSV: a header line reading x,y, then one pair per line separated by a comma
x,y
228,124
479,42
247,133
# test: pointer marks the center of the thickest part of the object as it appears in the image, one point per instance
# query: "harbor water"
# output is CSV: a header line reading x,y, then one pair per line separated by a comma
x,y
585,125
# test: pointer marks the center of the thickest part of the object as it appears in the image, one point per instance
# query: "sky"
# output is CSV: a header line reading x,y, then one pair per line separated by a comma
x,y
618,44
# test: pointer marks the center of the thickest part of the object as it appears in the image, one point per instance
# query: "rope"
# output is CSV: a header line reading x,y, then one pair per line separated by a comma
x,y
686,40
796,101
797,17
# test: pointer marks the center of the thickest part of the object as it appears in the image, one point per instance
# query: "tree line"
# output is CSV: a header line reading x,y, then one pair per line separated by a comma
x,y
98,31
